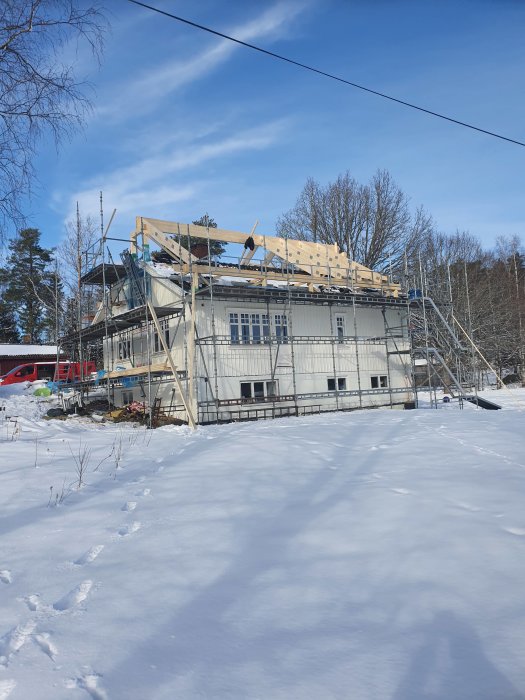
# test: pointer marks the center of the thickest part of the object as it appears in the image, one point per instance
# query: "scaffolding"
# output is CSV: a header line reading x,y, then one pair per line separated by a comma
x,y
286,274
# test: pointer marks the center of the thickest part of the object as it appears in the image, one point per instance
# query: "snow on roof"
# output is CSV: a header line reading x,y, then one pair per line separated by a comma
x,y
27,350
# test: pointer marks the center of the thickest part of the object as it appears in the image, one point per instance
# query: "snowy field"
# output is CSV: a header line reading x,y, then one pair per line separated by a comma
x,y
372,555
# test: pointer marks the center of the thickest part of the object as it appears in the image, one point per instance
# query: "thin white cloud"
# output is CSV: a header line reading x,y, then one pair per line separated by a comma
x,y
160,81
150,184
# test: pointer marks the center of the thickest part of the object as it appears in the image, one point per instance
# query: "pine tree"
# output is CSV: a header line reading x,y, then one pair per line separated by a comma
x,y
8,326
216,247
29,286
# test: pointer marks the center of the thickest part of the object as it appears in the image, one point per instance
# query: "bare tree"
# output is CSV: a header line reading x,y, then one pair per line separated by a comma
x,y
81,235
371,223
39,92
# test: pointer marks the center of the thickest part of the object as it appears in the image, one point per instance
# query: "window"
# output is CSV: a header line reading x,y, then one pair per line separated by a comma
x,y
271,389
124,348
234,328
45,371
281,328
340,328
340,382
25,370
127,397
259,390
165,328
250,328
245,328
256,328
266,328
380,381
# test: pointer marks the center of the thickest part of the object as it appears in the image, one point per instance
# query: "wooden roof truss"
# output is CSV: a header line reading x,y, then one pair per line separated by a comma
x,y
302,262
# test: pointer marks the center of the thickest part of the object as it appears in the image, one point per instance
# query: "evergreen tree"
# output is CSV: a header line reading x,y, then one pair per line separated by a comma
x,y
29,286
8,327
197,244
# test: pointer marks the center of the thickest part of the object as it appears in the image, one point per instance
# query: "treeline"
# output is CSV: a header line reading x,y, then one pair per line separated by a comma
x,y
40,294
376,226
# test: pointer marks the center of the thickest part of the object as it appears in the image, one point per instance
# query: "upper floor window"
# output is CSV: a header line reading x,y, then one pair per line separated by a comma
x,y
247,328
340,328
124,348
165,329
281,328
234,328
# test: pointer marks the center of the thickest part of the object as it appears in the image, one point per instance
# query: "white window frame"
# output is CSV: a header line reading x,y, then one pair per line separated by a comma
x,y
281,328
165,328
270,390
340,328
249,327
124,348
339,383
379,380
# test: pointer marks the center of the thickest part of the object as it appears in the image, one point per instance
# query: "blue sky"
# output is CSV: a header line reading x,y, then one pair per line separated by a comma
x,y
185,123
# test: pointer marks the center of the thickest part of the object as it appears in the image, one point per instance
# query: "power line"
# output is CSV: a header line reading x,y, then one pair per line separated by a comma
x,y
325,74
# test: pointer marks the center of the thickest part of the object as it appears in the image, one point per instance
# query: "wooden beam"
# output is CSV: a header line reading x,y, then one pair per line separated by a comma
x,y
291,278
248,254
136,371
316,259
189,413
304,254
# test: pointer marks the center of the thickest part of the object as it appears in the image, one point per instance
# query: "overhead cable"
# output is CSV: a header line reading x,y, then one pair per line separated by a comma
x,y
272,54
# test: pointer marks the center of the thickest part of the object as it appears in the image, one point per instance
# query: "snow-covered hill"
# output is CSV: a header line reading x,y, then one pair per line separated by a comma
x,y
368,555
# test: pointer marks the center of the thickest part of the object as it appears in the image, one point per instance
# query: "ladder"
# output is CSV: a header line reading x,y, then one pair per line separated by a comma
x,y
135,276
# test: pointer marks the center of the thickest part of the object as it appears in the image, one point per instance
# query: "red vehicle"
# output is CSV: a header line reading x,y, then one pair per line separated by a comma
x,y
50,371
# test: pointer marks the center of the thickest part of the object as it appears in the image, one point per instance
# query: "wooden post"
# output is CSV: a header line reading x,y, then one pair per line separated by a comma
x,y
192,384
189,413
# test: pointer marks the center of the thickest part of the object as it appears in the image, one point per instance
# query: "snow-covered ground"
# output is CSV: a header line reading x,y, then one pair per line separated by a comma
x,y
367,555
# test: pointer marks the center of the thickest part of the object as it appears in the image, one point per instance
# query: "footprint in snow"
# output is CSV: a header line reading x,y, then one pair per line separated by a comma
x,y
89,683
15,639
129,506
144,492
44,642
5,576
6,688
90,555
33,602
129,529
74,597
519,531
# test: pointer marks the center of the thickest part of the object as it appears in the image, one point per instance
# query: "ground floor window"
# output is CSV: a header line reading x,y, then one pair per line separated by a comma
x,y
339,382
258,390
379,381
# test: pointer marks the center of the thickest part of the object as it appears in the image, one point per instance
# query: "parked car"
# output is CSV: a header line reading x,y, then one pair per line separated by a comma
x,y
63,371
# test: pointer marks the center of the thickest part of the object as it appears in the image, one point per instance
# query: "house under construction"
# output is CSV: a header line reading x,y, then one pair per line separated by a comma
x,y
287,328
